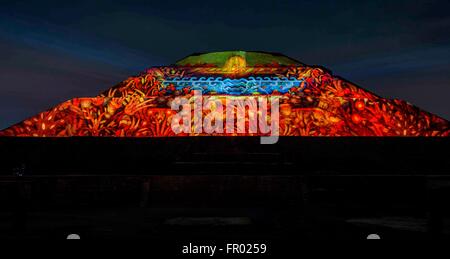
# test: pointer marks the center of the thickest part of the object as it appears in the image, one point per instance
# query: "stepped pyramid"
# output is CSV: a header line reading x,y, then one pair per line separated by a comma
x,y
313,102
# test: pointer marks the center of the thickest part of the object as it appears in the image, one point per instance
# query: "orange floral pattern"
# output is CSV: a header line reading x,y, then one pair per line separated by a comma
x,y
323,105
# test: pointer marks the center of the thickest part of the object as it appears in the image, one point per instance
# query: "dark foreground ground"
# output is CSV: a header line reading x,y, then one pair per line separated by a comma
x,y
207,190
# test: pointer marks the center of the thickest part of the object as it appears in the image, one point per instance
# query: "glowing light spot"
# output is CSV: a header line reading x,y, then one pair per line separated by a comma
x,y
360,106
356,119
235,64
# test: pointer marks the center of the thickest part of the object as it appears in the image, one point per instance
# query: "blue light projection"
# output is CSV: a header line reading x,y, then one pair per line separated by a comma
x,y
242,86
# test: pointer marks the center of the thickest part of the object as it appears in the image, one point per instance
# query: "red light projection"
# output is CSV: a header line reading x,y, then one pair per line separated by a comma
x,y
312,103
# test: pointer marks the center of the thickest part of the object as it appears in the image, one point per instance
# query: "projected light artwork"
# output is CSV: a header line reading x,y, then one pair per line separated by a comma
x,y
242,86
312,102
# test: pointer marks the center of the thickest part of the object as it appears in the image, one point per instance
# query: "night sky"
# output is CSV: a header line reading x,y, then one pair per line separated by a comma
x,y
52,51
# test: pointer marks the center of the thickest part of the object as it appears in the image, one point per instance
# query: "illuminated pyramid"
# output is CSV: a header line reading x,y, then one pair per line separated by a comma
x,y
312,102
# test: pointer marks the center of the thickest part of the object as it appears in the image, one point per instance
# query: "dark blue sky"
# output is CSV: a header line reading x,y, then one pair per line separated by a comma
x,y
51,51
